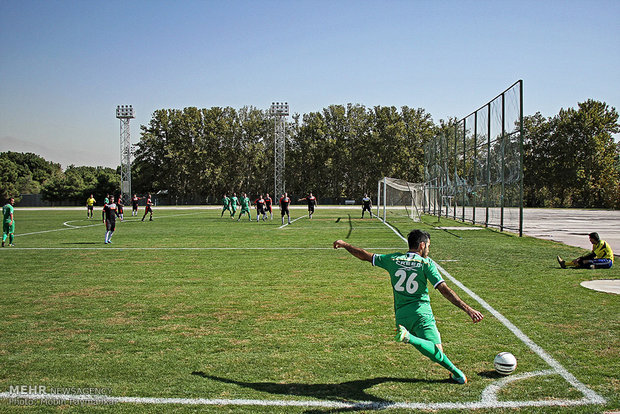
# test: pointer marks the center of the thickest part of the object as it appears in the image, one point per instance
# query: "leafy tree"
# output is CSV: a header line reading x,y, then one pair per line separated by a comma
x,y
570,158
8,177
31,169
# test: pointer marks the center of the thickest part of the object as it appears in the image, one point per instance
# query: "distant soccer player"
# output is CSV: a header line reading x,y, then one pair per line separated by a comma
x,y
409,274
268,202
234,202
8,222
90,205
134,204
119,206
260,208
285,202
109,214
225,204
148,208
245,207
311,200
366,205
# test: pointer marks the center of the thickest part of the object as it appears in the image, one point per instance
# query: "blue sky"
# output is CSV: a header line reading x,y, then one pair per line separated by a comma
x,y
66,65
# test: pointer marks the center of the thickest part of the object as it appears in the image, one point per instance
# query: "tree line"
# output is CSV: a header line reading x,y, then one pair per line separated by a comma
x,y
340,152
28,173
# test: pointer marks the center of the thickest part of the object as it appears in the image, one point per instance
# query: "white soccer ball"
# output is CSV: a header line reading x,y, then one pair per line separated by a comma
x,y
505,363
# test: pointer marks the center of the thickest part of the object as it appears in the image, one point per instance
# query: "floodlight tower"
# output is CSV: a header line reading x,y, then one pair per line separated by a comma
x,y
279,111
125,113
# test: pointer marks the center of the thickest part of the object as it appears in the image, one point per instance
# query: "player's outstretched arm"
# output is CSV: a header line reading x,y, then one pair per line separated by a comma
x,y
355,251
458,302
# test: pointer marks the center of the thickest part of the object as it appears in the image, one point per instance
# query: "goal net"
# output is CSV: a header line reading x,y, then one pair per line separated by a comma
x,y
397,197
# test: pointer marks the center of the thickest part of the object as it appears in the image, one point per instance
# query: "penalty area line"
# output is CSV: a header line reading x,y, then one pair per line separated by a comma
x,y
590,395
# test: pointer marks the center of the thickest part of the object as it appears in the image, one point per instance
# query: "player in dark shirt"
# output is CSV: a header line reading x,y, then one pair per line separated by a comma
x,y
108,215
148,208
311,200
134,204
260,208
268,202
119,206
285,201
366,205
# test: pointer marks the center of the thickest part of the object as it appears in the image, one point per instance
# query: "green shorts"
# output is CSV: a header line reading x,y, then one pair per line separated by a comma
x,y
8,228
422,325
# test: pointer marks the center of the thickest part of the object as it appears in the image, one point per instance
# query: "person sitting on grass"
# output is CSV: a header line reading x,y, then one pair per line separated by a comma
x,y
601,256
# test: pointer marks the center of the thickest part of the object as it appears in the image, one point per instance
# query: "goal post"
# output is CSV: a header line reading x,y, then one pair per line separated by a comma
x,y
399,198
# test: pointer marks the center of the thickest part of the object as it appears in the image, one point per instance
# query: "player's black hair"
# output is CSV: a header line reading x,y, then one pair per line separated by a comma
x,y
595,236
415,237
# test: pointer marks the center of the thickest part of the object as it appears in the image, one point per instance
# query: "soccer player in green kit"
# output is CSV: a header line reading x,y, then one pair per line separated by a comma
x,y
245,207
226,204
8,222
409,273
234,202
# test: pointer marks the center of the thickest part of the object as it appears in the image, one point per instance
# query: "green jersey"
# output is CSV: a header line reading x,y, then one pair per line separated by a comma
x,y
7,211
409,274
225,201
234,201
245,203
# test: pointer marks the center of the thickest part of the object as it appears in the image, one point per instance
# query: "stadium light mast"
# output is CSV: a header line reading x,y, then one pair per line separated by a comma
x,y
279,111
125,113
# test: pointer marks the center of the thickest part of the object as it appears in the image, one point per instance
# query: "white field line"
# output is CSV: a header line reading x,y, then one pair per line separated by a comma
x,y
61,229
66,223
85,400
284,225
590,395
72,227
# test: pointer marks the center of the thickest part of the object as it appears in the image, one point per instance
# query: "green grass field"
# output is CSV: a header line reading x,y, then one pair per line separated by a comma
x,y
264,318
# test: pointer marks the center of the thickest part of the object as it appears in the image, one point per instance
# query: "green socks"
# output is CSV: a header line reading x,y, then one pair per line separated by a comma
x,y
430,350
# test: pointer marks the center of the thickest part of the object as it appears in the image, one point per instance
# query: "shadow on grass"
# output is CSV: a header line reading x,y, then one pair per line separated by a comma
x,y
347,392
491,375
350,227
80,243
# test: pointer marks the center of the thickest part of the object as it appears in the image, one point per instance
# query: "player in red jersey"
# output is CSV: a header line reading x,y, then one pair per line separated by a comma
x,y
268,202
260,208
148,208
311,200
285,201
